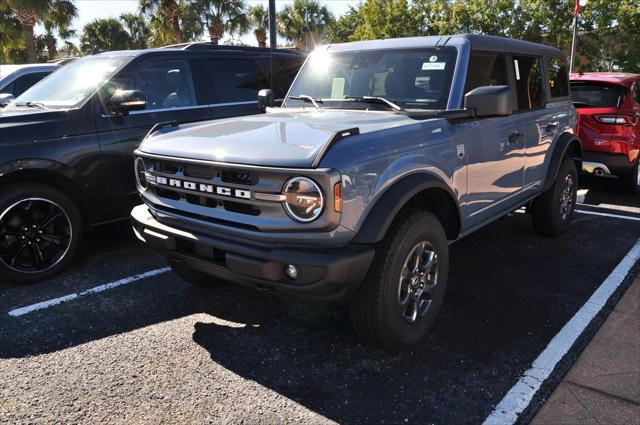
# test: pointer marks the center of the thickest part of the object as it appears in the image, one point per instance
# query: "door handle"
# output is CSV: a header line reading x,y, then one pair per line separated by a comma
x,y
516,138
551,128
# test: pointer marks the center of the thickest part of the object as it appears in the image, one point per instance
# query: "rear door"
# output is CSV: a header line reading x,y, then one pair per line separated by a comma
x,y
543,94
172,94
232,84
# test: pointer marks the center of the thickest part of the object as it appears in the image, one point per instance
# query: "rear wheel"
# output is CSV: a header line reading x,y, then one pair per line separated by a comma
x,y
631,180
400,298
40,232
192,276
552,211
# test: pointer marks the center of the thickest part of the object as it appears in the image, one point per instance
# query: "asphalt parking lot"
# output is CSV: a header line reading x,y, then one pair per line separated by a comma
x,y
153,349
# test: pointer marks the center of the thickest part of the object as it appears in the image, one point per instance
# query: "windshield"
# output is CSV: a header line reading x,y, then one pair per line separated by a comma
x,y
596,95
72,84
410,78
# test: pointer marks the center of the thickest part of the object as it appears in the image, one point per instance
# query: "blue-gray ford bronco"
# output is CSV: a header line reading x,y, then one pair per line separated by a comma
x,y
382,154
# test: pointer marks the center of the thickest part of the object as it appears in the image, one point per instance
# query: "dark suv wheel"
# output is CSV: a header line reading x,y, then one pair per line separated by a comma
x,y
553,210
631,180
400,298
40,231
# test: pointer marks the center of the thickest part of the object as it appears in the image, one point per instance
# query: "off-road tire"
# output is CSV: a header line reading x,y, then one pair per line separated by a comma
x,y
375,312
546,209
17,194
192,276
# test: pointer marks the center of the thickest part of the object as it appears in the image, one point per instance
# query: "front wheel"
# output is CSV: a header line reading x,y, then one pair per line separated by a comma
x,y
40,232
552,211
399,300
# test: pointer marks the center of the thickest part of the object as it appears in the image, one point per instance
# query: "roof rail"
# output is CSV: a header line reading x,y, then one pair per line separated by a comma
x,y
207,45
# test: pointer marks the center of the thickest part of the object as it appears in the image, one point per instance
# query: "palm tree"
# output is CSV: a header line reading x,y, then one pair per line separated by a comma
x,y
30,12
303,22
11,39
104,35
220,16
59,17
259,19
167,11
138,30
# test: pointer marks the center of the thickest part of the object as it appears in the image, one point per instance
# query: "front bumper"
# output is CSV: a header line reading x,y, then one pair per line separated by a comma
x,y
601,163
325,274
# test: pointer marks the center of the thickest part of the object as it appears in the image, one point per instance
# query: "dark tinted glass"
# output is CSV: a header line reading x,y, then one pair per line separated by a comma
x,y
558,77
416,78
636,92
486,69
22,84
233,80
596,95
284,71
166,84
528,82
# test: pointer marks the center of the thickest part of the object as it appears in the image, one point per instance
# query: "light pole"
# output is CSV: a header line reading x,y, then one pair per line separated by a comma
x,y
576,13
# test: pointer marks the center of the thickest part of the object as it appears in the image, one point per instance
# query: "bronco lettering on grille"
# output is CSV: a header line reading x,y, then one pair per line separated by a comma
x,y
204,188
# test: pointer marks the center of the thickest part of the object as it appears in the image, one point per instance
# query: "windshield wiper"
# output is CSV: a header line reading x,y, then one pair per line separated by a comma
x,y
376,99
32,104
315,100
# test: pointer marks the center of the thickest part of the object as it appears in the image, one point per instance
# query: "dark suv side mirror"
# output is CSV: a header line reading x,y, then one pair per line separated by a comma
x,y
125,101
5,99
265,99
489,101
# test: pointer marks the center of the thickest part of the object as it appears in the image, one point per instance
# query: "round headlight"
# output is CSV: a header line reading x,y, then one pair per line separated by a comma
x,y
304,199
141,174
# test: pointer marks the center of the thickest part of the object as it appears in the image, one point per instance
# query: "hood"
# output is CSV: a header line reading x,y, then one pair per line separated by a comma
x,y
291,138
29,124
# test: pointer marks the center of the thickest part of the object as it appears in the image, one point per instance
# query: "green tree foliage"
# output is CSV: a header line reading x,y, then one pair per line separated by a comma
x,y
259,20
12,47
223,16
343,29
139,31
165,16
104,35
387,19
303,22
56,14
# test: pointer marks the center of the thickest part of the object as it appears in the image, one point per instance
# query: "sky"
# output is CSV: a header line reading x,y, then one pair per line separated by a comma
x,y
88,10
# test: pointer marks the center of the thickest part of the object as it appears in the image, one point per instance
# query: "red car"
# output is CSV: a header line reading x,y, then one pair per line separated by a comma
x,y
608,105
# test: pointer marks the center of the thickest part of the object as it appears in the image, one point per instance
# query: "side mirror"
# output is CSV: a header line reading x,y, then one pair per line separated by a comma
x,y
489,101
5,99
125,101
265,99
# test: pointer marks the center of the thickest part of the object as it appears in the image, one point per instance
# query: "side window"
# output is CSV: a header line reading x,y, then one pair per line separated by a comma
x,y
529,84
234,80
284,71
25,82
166,84
558,77
486,69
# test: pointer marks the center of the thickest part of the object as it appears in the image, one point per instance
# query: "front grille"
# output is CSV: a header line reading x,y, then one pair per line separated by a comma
x,y
209,175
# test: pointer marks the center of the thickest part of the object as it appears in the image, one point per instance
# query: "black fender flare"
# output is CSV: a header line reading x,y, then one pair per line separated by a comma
x,y
387,207
567,143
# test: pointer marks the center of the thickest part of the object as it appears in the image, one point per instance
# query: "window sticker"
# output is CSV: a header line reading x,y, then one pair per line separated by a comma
x,y
337,88
434,66
433,59
515,64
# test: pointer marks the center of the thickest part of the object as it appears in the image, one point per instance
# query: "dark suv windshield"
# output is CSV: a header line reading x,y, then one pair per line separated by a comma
x,y
410,78
72,84
596,95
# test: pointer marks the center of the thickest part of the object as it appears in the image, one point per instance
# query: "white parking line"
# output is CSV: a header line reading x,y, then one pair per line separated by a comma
x,y
519,397
66,298
624,217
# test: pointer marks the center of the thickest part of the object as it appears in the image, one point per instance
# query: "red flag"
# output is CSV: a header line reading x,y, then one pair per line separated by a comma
x,y
576,9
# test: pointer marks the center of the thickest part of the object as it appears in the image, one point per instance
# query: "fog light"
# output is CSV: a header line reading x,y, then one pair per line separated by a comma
x,y
291,271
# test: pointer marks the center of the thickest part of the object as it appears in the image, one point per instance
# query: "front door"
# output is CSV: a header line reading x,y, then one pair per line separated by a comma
x,y
172,94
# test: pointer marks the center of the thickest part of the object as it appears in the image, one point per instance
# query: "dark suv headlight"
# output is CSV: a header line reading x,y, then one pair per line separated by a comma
x,y
141,174
304,200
